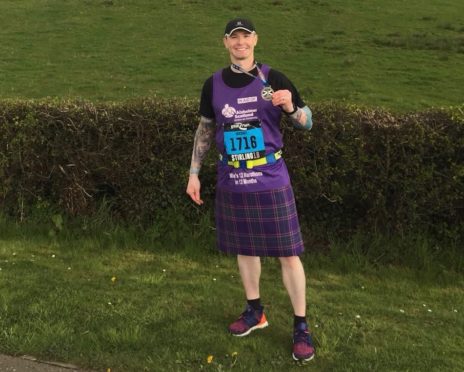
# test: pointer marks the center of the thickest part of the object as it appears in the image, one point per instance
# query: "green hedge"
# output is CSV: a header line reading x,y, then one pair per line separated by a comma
x,y
357,168
384,172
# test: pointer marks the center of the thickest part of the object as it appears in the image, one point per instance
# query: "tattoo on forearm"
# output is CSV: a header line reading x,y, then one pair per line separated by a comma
x,y
297,117
302,118
203,138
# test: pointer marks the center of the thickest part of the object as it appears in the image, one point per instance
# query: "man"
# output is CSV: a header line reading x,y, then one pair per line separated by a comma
x,y
241,107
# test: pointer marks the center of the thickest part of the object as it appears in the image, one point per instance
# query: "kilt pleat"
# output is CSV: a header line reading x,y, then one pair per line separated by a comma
x,y
263,223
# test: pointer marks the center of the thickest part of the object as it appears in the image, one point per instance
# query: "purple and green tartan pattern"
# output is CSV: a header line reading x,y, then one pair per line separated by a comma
x,y
263,223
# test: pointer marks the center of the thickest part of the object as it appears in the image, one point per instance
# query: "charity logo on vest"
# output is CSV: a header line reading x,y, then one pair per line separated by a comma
x,y
228,111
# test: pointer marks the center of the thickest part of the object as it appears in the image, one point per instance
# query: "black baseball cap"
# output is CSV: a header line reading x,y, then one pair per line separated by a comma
x,y
239,24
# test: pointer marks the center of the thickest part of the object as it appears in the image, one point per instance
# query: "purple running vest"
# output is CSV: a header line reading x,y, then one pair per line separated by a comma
x,y
235,105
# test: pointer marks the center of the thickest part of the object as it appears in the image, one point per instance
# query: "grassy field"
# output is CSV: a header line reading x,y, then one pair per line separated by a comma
x,y
402,55
101,296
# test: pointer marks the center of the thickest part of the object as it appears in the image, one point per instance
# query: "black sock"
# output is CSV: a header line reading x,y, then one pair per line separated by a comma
x,y
298,319
255,304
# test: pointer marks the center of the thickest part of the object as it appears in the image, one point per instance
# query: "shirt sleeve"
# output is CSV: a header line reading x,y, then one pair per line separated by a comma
x,y
279,81
206,100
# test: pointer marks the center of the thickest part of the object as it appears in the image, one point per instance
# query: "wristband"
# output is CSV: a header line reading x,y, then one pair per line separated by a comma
x,y
291,113
294,114
194,170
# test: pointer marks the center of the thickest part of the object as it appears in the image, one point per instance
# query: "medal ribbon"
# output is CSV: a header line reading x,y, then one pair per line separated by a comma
x,y
260,74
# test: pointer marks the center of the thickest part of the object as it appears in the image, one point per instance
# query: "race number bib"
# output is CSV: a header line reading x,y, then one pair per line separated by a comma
x,y
244,141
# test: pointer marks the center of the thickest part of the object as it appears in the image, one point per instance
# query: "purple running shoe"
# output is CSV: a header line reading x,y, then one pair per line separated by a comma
x,y
303,348
248,321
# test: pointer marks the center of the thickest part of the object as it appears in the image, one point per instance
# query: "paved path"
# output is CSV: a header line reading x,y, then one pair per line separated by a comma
x,y
31,364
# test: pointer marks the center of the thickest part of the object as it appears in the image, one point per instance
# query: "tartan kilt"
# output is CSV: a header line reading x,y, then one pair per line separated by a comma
x,y
263,223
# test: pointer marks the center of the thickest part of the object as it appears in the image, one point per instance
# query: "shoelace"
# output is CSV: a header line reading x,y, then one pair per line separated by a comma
x,y
249,317
302,336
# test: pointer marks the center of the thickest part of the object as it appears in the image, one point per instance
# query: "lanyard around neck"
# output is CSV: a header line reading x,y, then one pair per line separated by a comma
x,y
260,73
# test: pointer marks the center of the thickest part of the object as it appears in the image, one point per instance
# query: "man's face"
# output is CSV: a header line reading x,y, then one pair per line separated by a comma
x,y
241,44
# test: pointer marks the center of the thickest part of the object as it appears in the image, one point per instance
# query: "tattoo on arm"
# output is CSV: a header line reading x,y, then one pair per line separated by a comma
x,y
203,138
302,118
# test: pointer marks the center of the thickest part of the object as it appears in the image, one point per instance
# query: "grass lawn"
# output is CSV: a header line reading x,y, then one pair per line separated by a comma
x,y
102,296
402,55
106,297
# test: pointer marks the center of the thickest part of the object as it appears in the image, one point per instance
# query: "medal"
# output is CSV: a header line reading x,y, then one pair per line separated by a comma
x,y
266,93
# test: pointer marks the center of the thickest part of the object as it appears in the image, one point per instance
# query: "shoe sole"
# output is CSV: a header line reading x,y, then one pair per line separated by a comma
x,y
302,360
257,326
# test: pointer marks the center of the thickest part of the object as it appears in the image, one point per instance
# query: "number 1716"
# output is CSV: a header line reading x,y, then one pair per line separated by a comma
x,y
243,143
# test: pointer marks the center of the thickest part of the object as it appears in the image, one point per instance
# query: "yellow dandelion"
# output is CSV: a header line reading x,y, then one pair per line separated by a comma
x,y
113,279
234,358
209,359
108,370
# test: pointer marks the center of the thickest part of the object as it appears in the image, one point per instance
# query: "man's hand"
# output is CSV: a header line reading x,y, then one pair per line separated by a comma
x,y
283,98
193,189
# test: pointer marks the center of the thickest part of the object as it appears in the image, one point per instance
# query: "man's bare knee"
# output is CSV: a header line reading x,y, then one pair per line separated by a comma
x,y
290,262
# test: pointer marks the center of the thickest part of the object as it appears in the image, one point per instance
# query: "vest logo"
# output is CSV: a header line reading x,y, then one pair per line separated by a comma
x,y
247,100
228,111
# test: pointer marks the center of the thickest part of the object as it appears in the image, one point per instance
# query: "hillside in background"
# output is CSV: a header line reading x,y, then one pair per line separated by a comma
x,y
403,55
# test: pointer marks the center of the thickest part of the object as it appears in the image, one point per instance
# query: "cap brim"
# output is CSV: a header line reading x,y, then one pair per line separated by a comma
x,y
239,28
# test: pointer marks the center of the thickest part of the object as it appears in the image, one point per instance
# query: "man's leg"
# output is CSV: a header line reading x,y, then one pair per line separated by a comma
x,y
250,272
295,282
253,317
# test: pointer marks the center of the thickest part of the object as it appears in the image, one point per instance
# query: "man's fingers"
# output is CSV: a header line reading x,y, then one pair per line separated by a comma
x,y
195,196
281,97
